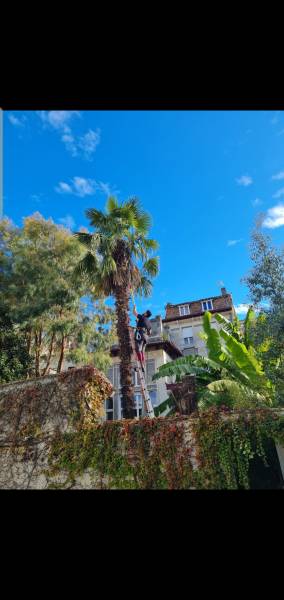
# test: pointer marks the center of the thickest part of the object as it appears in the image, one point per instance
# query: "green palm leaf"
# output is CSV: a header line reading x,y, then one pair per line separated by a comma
x,y
112,204
84,238
151,266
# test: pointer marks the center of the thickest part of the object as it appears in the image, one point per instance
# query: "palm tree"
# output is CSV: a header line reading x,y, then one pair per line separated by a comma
x,y
118,260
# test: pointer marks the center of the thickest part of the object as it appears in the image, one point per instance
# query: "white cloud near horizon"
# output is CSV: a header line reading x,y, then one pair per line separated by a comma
x,y
274,217
242,309
245,180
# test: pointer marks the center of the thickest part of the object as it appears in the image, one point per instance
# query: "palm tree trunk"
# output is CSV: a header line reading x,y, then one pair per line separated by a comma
x,y
123,334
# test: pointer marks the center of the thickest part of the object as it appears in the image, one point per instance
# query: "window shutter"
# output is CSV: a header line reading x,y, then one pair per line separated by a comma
x,y
110,374
175,336
150,366
187,332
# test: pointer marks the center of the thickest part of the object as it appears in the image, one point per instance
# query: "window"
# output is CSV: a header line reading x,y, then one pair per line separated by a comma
x,y
153,396
187,336
207,305
109,409
183,310
135,378
190,351
139,404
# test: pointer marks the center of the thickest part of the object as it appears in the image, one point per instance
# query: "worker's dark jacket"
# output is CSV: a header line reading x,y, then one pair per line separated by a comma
x,y
143,323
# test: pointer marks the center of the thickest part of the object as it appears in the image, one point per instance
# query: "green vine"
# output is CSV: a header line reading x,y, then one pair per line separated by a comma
x,y
155,453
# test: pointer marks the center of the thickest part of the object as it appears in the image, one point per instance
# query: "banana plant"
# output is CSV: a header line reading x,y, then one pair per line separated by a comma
x,y
231,371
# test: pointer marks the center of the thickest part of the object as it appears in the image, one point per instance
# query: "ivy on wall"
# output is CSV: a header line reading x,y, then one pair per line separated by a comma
x,y
156,453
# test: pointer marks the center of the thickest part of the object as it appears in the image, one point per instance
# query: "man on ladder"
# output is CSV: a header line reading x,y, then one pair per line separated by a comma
x,y
143,329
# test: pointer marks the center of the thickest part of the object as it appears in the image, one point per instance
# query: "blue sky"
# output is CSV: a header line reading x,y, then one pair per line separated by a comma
x,y
203,175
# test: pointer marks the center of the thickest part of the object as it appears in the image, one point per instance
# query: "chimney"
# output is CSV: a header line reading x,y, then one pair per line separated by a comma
x,y
223,291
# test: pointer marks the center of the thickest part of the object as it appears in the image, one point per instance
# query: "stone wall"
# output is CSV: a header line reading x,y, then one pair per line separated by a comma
x,y
33,411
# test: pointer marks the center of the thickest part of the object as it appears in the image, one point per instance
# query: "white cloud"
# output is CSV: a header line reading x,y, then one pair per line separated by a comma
x,y
84,187
63,188
67,222
274,217
279,193
278,175
245,180
242,309
16,121
106,188
36,197
233,242
69,141
257,202
89,142
79,187
59,120
275,119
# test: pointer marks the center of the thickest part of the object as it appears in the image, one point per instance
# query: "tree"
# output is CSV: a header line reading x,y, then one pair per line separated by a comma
x,y
118,260
14,358
231,374
93,337
37,262
266,288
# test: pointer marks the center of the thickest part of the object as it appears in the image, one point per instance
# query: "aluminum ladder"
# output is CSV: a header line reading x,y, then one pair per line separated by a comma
x,y
146,396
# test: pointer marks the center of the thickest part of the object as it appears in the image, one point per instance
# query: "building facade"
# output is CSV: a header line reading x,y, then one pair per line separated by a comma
x,y
183,322
174,336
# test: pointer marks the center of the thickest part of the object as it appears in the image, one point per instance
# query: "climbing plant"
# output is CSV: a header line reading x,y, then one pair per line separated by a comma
x,y
158,454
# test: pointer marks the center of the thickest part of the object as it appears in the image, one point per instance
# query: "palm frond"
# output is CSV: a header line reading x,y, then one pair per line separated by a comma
x,y
150,244
151,266
112,204
88,266
97,218
145,287
84,238
143,223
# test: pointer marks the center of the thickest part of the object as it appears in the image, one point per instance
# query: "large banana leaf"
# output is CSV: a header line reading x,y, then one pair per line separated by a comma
x,y
248,324
244,358
213,342
231,327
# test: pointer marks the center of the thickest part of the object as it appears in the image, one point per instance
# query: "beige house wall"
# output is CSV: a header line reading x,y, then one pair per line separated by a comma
x,y
197,327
